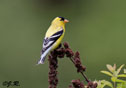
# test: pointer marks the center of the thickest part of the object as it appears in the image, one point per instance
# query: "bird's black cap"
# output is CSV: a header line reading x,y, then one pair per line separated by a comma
x,y
62,18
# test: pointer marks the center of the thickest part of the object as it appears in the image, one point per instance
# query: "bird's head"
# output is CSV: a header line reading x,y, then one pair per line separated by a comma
x,y
60,21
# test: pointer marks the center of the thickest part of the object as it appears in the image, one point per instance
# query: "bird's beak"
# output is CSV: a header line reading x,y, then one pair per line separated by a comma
x,y
66,21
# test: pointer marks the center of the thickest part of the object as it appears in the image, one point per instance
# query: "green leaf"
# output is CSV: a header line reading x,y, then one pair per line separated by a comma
x,y
121,85
119,69
113,79
114,66
107,83
122,75
103,83
124,70
119,80
99,84
107,73
110,68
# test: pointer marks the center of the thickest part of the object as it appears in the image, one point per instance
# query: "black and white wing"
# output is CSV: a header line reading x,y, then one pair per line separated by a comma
x,y
48,43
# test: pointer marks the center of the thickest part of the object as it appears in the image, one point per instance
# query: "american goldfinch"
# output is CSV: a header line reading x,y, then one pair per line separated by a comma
x,y
53,37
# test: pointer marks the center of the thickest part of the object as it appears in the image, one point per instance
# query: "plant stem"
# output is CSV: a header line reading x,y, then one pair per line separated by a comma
x,y
85,77
114,84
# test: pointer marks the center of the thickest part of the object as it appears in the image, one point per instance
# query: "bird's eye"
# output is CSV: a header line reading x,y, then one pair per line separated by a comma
x,y
62,18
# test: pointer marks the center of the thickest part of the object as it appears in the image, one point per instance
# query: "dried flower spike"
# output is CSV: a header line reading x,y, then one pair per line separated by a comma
x,y
75,58
77,84
53,64
66,45
92,85
79,66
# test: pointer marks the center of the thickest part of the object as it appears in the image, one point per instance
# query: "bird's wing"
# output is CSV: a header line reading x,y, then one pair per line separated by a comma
x,y
49,41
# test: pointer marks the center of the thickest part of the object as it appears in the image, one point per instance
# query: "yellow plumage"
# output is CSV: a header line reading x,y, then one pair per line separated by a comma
x,y
55,27
53,37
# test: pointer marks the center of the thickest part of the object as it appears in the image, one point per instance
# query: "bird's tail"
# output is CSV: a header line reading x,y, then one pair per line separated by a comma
x,y
43,55
42,59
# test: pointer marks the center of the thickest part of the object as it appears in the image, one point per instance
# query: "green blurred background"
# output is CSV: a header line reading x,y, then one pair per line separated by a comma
x,y
97,29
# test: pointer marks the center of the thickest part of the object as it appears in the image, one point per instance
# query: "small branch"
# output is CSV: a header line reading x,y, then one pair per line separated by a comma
x,y
85,77
72,61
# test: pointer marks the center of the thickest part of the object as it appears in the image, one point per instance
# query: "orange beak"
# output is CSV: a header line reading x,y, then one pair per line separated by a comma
x,y
66,21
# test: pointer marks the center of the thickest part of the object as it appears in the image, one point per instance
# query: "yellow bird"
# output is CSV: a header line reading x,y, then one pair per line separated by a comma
x,y
53,37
